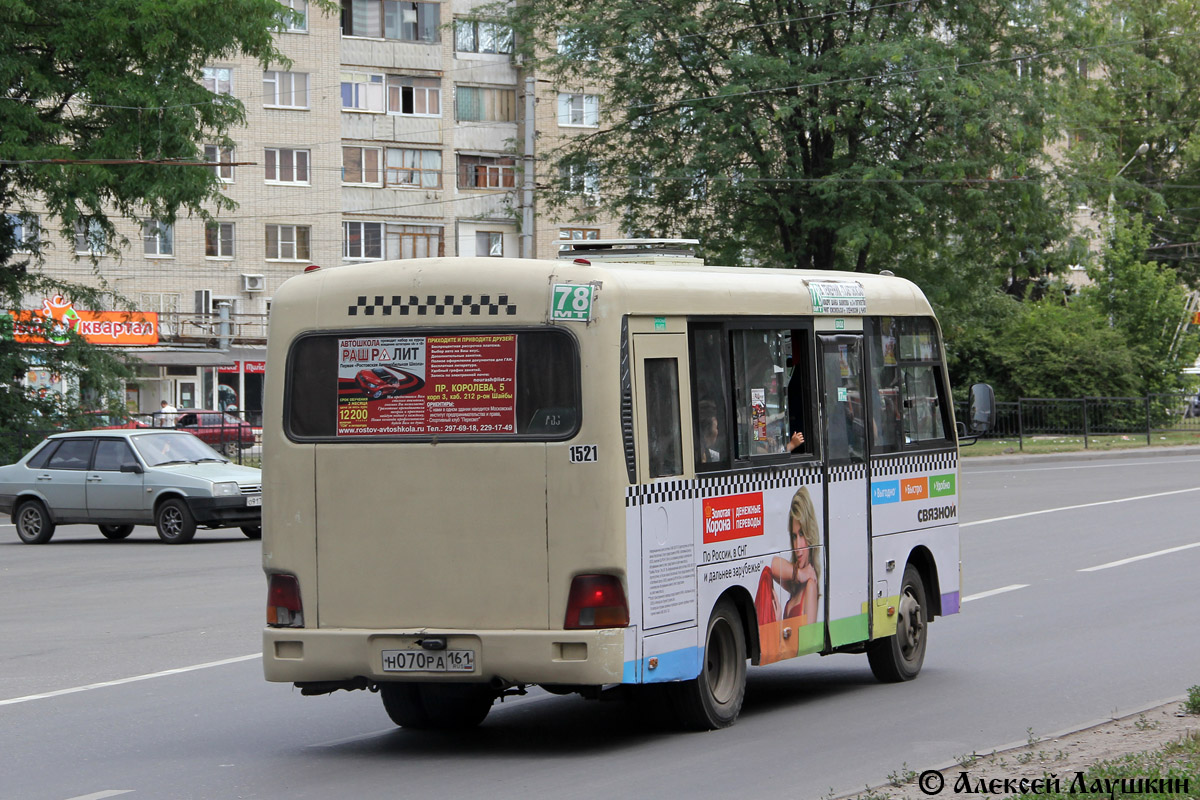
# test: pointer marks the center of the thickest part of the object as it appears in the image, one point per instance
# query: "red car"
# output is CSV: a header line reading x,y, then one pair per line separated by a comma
x,y
107,421
379,382
218,429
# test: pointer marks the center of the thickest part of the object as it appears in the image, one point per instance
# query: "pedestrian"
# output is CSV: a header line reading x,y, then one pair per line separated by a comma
x,y
166,417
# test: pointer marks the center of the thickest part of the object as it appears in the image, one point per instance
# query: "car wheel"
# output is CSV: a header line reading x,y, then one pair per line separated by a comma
x,y
175,522
116,532
252,531
899,657
713,699
34,525
229,449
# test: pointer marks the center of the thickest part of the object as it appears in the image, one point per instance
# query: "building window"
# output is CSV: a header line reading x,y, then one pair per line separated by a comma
x,y
360,166
479,104
578,110
362,91
218,240
158,239
471,36
298,21
571,44
362,240
486,172
411,22
391,19
417,169
417,97
286,166
581,180
288,242
26,232
577,234
285,89
90,238
222,156
218,80
420,241
489,243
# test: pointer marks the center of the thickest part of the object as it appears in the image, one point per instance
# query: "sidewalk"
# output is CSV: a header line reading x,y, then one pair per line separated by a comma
x,y
1077,455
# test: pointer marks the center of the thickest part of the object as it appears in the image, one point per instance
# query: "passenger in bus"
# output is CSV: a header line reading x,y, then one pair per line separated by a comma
x,y
794,442
709,429
800,576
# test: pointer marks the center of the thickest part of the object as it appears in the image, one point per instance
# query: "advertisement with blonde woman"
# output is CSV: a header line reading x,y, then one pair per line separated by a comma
x,y
789,589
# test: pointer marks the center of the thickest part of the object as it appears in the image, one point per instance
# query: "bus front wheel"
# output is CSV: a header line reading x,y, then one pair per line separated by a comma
x,y
436,706
713,699
899,657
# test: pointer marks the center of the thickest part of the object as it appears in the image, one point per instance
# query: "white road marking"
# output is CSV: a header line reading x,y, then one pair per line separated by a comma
x,y
993,592
1126,463
1130,560
101,795
134,679
1082,505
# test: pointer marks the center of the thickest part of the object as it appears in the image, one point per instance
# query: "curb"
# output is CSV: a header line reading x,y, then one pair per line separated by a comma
x,y
1081,455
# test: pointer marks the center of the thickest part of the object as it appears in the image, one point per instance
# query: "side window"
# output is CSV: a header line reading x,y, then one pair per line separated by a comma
x,y
662,417
710,393
884,353
42,456
920,375
908,396
768,393
112,454
72,454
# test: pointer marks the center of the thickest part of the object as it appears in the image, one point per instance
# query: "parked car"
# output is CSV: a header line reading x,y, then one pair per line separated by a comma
x,y
106,420
117,479
218,429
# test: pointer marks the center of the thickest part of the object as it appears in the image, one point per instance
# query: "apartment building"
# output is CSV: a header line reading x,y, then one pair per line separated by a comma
x,y
397,131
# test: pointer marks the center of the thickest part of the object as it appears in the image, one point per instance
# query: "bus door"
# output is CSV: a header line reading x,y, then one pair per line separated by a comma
x,y
662,391
847,538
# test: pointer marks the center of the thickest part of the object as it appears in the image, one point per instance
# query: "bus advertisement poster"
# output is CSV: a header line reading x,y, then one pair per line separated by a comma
x,y
427,385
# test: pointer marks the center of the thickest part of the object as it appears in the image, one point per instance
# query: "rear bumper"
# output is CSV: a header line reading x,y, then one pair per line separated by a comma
x,y
587,658
224,511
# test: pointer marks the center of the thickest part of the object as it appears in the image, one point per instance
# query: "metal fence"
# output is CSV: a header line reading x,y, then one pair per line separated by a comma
x,y
1091,417
232,434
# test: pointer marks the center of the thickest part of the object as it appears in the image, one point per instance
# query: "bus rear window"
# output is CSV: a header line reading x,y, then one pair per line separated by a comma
x,y
361,386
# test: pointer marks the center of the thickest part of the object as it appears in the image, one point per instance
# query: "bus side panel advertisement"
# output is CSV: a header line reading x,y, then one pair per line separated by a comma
x,y
427,385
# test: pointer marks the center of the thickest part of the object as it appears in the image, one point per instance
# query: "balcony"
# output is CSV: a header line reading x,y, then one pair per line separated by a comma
x,y
192,328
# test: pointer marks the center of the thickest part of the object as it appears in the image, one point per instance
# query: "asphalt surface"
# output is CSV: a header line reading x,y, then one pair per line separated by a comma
x,y
130,668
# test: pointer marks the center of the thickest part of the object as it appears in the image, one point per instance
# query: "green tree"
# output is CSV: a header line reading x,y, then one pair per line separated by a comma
x,y
103,98
1136,83
1145,302
906,136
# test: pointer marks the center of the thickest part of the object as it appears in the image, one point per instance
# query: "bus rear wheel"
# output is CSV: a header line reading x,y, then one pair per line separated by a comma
x,y
713,699
899,657
436,706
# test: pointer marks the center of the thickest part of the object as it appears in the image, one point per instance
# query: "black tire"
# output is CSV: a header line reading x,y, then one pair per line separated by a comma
x,y
252,531
402,702
899,657
34,525
437,706
115,532
713,699
174,522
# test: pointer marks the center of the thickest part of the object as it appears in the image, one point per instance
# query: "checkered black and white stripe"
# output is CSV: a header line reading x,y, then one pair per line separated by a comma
x,y
719,486
848,472
433,305
918,462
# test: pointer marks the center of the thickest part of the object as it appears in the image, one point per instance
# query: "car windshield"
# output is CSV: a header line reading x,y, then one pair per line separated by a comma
x,y
157,449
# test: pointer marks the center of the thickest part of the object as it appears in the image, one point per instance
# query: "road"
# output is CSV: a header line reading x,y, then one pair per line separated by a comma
x,y
129,669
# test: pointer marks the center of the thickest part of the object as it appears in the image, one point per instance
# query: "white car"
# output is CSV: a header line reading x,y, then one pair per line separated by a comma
x,y
120,478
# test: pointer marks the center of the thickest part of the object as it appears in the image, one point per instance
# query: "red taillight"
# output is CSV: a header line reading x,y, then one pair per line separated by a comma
x,y
283,602
312,268
596,601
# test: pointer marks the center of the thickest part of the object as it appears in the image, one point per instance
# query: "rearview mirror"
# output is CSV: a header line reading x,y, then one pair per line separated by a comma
x,y
134,468
982,410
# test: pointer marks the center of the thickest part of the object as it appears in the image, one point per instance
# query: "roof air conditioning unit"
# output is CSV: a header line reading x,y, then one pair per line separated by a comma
x,y
254,283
